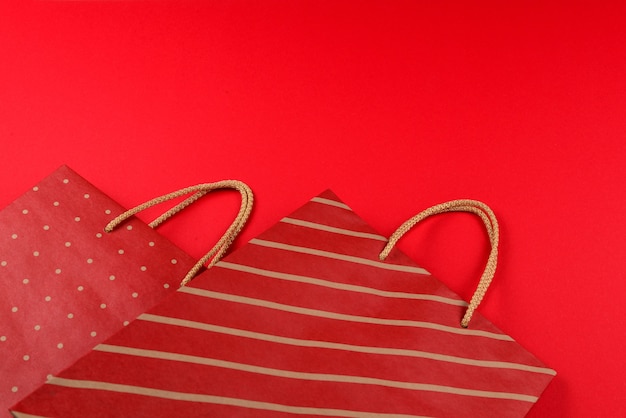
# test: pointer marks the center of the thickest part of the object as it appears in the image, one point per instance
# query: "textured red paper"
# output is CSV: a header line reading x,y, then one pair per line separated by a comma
x,y
304,319
396,105
66,285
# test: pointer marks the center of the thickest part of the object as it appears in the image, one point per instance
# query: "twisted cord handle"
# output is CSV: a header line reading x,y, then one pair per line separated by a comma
x,y
218,250
491,224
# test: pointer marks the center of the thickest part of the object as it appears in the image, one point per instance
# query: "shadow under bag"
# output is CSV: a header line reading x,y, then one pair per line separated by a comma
x,y
307,319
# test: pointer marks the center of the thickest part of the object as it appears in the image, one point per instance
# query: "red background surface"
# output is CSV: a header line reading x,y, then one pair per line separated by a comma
x,y
394,105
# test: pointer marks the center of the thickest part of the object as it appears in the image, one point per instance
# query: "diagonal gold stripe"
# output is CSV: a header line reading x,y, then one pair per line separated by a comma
x,y
219,400
340,346
342,231
337,256
321,377
17,414
339,286
341,317
331,203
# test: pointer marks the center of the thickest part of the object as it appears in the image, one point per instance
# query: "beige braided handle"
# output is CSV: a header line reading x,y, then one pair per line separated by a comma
x,y
199,190
491,224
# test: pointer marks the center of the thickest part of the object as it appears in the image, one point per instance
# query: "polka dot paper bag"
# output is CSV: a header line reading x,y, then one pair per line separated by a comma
x,y
318,316
66,285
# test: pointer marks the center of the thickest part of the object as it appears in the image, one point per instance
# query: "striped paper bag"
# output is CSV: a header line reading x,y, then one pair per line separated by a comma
x,y
307,319
67,284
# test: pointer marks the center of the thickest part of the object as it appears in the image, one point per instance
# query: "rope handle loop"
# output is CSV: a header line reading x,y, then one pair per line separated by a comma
x,y
491,224
218,250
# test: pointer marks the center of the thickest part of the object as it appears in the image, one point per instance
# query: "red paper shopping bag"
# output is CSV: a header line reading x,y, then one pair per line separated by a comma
x,y
66,284
307,320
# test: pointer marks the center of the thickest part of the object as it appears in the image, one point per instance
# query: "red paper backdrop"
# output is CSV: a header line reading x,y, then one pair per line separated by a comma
x,y
394,105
